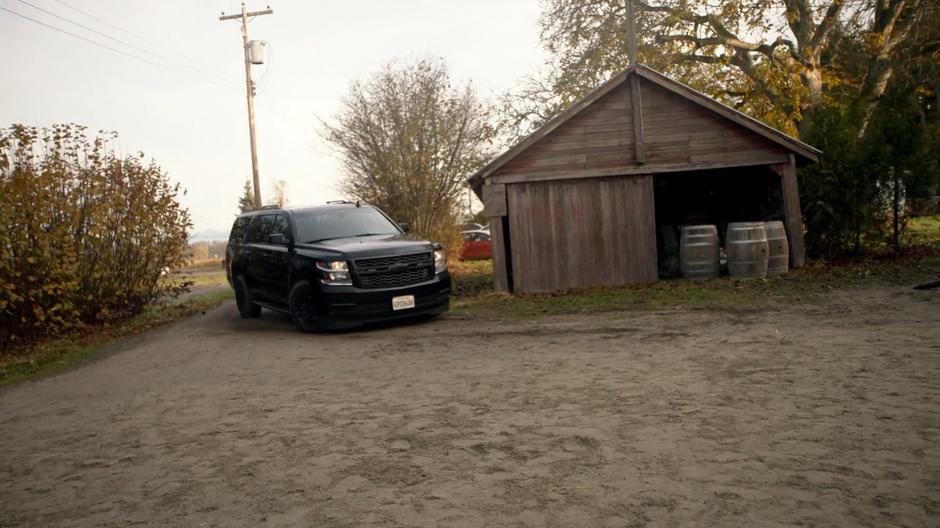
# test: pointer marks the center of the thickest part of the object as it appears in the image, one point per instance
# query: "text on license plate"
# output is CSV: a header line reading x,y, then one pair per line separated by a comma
x,y
403,303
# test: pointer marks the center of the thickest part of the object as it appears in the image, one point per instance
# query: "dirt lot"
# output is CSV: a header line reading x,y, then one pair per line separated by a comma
x,y
822,415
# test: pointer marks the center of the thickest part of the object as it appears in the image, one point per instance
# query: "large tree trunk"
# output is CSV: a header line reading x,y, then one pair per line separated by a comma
x,y
812,82
875,86
892,24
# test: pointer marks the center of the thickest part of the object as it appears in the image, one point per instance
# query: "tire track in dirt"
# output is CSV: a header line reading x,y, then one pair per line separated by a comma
x,y
817,415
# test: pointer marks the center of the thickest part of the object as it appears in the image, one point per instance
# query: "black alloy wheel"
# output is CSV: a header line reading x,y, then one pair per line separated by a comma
x,y
246,306
303,307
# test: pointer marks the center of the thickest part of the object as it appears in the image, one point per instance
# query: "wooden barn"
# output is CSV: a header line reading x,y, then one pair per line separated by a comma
x,y
585,199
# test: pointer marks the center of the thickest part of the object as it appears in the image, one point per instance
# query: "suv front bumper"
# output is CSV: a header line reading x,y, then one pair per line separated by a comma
x,y
347,306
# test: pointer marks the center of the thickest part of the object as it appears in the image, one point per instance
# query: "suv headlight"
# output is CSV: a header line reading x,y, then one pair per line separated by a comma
x,y
440,261
334,272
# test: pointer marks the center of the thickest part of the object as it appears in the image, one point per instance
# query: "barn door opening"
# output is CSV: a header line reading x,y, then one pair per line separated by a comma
x,y
717,197
507,244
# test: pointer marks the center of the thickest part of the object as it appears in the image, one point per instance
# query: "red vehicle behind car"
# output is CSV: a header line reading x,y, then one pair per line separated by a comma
x,y
476,245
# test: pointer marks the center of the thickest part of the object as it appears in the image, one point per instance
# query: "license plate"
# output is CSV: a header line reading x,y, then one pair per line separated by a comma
x,y
403,303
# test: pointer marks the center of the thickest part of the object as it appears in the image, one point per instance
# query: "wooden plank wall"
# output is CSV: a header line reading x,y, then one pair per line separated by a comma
x,y
678,135
578,233
679,131
600,137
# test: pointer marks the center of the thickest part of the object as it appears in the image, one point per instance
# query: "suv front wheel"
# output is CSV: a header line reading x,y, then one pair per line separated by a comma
x,y
303,306
246,307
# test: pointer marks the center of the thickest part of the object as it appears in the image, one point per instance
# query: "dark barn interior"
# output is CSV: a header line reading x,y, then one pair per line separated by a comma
x,y
717,197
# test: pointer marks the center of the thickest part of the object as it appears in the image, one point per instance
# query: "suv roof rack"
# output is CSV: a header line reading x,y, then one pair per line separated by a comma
x,y
272,206
357,203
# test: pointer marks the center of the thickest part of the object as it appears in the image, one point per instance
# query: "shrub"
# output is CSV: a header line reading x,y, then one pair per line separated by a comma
x,y
84,233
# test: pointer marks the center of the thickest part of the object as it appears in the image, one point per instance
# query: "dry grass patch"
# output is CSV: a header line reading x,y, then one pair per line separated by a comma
x,y
804,285
47,357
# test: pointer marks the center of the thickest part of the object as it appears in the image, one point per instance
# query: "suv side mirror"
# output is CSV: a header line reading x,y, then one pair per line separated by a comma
x,y
404,227
277,238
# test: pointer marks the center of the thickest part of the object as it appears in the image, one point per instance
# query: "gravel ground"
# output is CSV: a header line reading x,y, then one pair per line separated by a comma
x,y
821,415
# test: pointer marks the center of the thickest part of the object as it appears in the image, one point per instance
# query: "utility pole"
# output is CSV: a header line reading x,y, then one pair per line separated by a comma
x,y
631,32
246,17
636,94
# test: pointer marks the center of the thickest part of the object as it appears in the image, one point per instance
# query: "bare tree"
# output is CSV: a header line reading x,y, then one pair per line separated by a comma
x,y
279,191
408,138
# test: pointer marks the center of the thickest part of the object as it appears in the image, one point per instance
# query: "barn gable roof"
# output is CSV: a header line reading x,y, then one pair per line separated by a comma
x,y
802,150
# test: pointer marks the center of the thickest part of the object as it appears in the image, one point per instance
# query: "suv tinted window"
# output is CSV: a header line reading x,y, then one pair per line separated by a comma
x,y
239,229
267,227
260,228
281,226
342,223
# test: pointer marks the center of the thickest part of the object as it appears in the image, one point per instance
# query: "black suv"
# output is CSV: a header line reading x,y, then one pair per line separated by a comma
x,y
333,266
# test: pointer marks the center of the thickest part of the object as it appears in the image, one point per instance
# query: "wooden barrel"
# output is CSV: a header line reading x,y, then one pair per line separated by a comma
x,y
746,244
778,250
698,252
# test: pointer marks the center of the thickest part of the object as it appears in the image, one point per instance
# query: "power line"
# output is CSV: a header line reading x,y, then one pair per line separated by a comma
x,y
201,64
116,50
91,16
268,68
120,41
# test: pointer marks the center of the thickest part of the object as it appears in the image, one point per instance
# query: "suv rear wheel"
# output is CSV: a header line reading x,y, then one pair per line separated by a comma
x,y
246,306
303,307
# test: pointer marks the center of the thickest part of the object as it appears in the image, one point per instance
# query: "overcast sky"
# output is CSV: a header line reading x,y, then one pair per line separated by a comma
x,y
197,130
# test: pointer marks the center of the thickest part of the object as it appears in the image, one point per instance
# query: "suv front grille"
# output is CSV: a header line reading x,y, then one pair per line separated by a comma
x,y
385,262
401,278
396,270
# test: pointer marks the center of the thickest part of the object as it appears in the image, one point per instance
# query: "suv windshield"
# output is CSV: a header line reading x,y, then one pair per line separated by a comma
x,y
342,223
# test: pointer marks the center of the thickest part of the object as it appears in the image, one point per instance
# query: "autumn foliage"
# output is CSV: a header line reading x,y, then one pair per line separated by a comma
x,y
85,233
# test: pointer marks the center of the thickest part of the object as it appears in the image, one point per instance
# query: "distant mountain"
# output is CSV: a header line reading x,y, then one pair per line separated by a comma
x,y
208,236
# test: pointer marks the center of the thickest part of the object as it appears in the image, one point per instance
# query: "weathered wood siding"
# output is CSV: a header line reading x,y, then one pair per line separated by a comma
x,y
678,131
678,135
599,138
577,233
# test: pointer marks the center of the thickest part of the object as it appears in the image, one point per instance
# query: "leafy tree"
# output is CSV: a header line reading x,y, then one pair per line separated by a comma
x,y
855,197
85,235
838,74
408,138
770,58
901,146
246,202
836,194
